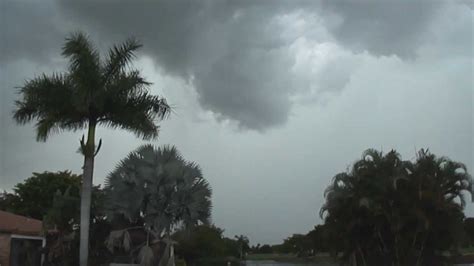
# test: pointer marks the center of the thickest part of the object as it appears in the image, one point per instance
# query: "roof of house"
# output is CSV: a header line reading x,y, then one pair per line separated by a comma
x,y
17,224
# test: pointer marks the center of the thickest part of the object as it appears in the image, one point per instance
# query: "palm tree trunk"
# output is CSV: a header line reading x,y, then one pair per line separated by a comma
x,y
419,259
241,251
86,194
361,255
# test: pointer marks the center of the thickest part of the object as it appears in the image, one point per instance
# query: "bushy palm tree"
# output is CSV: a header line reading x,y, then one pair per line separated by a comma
x,y
92,92
158,187
243,243
390,211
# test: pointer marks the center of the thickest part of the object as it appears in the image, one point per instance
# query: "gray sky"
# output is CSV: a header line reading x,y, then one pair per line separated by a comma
x,y
272,99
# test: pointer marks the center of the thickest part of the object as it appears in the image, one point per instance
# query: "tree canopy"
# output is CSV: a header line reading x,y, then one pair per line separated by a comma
x,y
106,92
159,189
34,197
390,211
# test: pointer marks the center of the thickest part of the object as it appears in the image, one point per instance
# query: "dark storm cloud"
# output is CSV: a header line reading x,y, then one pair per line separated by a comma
x,y
29,30
468,3
237,54
235,51
382,27
232,52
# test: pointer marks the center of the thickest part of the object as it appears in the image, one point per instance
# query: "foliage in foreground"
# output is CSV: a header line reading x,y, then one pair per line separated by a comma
x,y
205,245
54,197
34,197
394,212
156,189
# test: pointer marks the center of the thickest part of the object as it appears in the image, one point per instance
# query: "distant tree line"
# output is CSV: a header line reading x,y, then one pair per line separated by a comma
x,y
383,211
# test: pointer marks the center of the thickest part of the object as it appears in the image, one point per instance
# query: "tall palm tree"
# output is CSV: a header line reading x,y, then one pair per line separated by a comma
x,y
158,187
92,92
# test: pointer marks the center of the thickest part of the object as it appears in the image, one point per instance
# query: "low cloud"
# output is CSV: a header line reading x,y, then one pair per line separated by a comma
x,y
239,56
384,27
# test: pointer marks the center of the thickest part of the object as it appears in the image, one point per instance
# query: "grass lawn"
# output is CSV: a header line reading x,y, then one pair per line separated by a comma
x,y
324,258
270,256
319,258
468,250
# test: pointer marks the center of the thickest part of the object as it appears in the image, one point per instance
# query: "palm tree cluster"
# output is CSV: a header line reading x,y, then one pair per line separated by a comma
x,y
161,191
387,211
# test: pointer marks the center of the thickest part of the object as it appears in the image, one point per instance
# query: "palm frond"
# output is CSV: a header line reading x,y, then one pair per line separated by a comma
x,y
126,84
84,64
118,239
138,115
372,154
49,99
44,128
145,256
118,59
